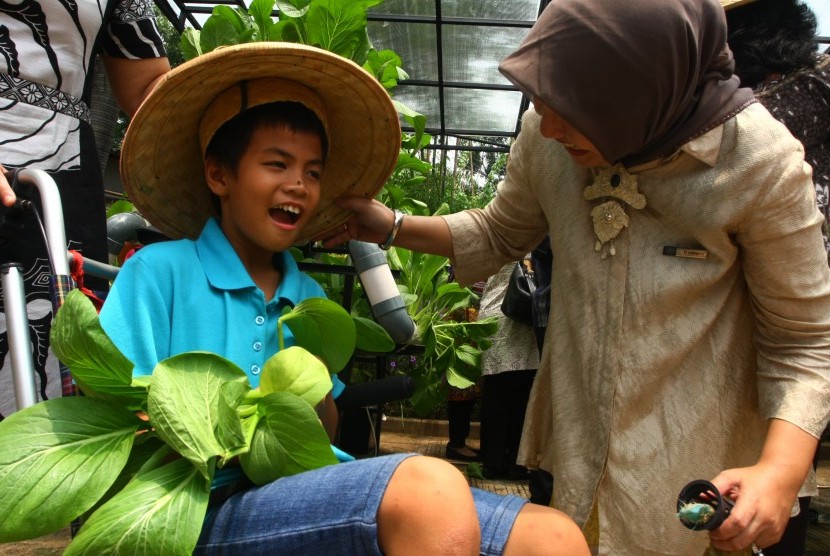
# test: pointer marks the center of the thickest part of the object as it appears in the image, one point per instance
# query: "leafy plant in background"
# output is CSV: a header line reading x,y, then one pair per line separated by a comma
x,y
133,478
452,348
338,26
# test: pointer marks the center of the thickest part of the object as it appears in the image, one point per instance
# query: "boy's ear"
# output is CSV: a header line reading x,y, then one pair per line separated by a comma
x,y
216,176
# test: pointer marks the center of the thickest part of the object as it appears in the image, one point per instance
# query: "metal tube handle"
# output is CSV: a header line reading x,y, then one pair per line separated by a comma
x,y
17,325
50,199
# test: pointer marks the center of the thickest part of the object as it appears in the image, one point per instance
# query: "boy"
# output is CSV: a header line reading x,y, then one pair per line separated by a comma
x,y
283,130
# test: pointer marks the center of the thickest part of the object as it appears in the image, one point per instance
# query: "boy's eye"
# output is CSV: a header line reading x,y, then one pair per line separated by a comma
x,y
315,174
276,163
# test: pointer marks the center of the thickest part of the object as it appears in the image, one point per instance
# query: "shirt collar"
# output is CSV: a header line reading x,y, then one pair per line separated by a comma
x,y
225,271
705,148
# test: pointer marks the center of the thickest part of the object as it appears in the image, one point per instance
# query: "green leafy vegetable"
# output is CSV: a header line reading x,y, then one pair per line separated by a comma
x,y
322,327
298,372
58,458
173,495
287,440
145,484
183,404
452,348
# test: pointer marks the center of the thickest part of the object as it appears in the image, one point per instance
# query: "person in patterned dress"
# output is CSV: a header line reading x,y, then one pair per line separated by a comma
x,y
773,42
48,51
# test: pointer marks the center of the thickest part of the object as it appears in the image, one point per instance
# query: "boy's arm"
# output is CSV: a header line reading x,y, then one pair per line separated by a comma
x,y
327,411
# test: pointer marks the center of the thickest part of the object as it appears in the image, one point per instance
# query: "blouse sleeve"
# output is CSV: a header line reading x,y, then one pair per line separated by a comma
x,y
514,222
789,280
132,32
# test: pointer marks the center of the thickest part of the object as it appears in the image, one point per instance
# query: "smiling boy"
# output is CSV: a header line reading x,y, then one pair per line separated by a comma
x,y
241,153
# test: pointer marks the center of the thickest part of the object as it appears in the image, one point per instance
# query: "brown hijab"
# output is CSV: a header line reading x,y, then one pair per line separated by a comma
x,y
637,77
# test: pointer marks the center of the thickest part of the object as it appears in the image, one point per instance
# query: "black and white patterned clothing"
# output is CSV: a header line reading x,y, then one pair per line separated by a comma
x,y
47,49
50,44
801,101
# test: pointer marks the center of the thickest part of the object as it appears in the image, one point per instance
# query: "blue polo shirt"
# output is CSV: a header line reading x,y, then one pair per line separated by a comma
x,y
178,296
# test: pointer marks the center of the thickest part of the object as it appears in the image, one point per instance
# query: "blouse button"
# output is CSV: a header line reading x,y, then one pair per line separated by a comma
x,y
255,370
257,346
259,319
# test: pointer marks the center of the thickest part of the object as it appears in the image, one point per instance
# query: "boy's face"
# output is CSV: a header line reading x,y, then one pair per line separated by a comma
x,y
273,193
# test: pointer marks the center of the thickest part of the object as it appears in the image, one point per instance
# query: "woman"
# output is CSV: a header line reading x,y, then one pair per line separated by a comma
x,y
507,368
49,51
691,336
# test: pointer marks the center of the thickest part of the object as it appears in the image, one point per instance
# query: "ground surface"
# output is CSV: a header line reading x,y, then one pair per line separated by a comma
x,y
430,438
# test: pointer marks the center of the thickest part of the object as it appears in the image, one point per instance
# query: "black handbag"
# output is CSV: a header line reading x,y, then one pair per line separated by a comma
x,y
518,298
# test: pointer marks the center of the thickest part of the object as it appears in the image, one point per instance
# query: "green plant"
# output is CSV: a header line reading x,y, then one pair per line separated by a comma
x,y
338,26
452,348
93,455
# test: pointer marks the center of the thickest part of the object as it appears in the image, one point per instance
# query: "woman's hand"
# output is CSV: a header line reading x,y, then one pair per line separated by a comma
x,y
7,196
763,501
371,222
765,493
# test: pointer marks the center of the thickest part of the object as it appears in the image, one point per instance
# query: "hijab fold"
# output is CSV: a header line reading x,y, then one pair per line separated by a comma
x,y
638,78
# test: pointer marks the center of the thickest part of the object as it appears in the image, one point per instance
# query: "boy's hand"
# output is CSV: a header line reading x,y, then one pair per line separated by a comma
x,y
371,222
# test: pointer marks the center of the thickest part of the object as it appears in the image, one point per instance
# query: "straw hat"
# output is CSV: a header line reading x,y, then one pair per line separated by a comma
x,y
162,158
729,4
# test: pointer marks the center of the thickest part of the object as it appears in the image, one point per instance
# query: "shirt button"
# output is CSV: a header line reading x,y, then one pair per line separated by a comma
x,y
259,319
257,346
255,370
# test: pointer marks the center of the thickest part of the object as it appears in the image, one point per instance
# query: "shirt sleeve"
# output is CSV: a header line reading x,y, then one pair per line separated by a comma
x,y
789,281
135,316
132,32
512,224
337,386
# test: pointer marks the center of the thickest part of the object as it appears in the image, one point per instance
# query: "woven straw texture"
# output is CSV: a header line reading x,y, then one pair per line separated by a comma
x,y
161,163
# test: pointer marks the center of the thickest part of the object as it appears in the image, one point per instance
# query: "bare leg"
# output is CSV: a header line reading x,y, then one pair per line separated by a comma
x,y
428,509
540,530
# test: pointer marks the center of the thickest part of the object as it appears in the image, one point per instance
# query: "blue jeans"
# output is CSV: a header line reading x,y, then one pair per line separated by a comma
x,y
330,511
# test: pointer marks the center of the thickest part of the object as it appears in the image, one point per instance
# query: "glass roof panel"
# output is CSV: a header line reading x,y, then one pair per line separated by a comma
x,y
471,54
453,81
517,10
415,43
480,112
423,99
404,7
522,10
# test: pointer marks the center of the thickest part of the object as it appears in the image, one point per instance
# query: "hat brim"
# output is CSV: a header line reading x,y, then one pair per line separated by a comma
x,y
729,4
161,163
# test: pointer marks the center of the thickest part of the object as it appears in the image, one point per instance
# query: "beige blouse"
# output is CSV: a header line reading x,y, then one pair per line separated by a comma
x,y
658,369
